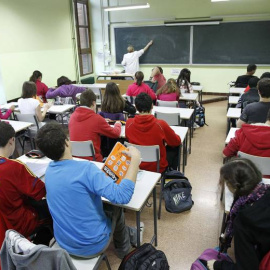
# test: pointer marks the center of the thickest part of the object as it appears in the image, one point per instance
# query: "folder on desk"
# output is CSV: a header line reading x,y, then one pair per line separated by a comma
x,y
38,169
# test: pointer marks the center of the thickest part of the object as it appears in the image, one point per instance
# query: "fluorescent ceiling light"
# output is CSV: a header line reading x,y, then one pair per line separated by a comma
x,y
126,7
192,23
219,0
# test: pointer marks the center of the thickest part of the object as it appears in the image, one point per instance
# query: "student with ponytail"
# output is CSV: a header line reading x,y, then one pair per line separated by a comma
x,y
42,88
139,86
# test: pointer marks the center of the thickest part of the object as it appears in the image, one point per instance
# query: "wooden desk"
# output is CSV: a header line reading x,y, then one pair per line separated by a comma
x,y
17,125
122,84
113,75
233,113
235,90
145,185
230,135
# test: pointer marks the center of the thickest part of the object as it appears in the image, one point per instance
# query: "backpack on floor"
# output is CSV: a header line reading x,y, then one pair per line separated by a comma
x,y
200,116
207,255
177,192
145,257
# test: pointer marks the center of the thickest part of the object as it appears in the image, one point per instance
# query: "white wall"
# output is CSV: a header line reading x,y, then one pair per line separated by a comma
x,y
35,35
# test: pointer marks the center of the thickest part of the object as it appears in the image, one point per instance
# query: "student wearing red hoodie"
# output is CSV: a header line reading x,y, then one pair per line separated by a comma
x,y
251,139
145,129
85,124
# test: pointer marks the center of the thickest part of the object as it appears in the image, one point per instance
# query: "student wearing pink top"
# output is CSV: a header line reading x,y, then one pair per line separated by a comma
x,y
42,88
139,86
169,92
8,112
157,76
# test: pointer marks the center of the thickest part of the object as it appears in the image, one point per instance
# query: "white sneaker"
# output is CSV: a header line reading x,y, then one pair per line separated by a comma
x,y
195,125
141,232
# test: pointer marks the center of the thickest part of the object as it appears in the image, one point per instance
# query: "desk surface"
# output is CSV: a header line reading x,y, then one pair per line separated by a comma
x,y
230,135
233,99
61,108
18,125
234,113
189,96
234,90
184,113
146,181
115,75
7,105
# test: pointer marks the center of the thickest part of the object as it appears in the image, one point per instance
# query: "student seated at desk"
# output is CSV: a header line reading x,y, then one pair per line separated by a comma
x,y
29,105
145,129
242,81
157,76
183,81
257,112
249,218
85,124
169,92
22,207
42,88
65,89
7,114
139,86
264,75
114,104
82,224
251,139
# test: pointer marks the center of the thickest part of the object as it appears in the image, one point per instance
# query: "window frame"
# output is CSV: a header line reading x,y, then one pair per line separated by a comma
x,y
78,27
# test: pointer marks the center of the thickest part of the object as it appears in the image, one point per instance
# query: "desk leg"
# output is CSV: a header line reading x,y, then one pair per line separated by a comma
x,y
190,134
228,125
138,219
155,215
179,157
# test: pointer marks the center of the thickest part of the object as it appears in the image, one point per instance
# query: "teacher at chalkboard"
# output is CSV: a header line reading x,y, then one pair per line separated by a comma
x,y
131,59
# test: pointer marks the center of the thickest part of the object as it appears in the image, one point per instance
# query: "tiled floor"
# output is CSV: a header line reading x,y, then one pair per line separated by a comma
x,y
184,236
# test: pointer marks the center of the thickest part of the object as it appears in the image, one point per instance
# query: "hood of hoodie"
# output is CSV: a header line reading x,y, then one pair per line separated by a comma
x,y
82,113
144,122
258,135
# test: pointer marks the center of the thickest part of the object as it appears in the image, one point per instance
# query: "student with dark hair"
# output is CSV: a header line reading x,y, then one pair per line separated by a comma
x,y
82,224
42,88
65,89
85,124
157,76
139,86
22,207
257,112
113,104
145,129
29,105
183,81
264,75
251,139
242,81
249,218
131,59
169,92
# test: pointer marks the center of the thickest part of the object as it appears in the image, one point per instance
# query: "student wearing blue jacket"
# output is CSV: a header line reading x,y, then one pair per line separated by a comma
x,y
74,191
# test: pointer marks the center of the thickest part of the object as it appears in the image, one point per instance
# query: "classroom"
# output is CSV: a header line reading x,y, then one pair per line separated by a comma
x,y
43,35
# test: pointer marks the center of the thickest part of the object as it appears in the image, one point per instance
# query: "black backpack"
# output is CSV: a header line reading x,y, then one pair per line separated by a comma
x,y
145,257
200,116
177,193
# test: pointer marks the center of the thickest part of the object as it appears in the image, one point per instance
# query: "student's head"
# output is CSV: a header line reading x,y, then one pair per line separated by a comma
x,y
264,87
252,82
130,49
143,103
88,98
169,87
251,68
7,138
184,75
52,140
112,99
139,77
37,75
29,90
241,176
160,70
265,75
63,80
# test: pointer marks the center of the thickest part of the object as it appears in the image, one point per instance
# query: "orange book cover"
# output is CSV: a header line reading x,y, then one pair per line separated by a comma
x,y
117,163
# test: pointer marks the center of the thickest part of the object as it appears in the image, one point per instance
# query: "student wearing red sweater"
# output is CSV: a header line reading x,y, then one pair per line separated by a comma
x,y
139,86
21,208
145,129
85,124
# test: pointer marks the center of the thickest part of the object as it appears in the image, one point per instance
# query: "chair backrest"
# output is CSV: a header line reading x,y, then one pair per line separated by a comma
x,y
262,163
172,119
152,85
131,99
64,100
83,149
97,92
31,118
149,153
167,103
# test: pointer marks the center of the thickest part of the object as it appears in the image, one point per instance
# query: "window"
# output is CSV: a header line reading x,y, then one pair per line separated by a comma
x,y
83,36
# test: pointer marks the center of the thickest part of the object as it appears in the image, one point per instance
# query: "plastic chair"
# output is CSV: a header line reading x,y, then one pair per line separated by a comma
x,y
172,119
83,149
131,99
262,163
30,132
167,103
97,92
